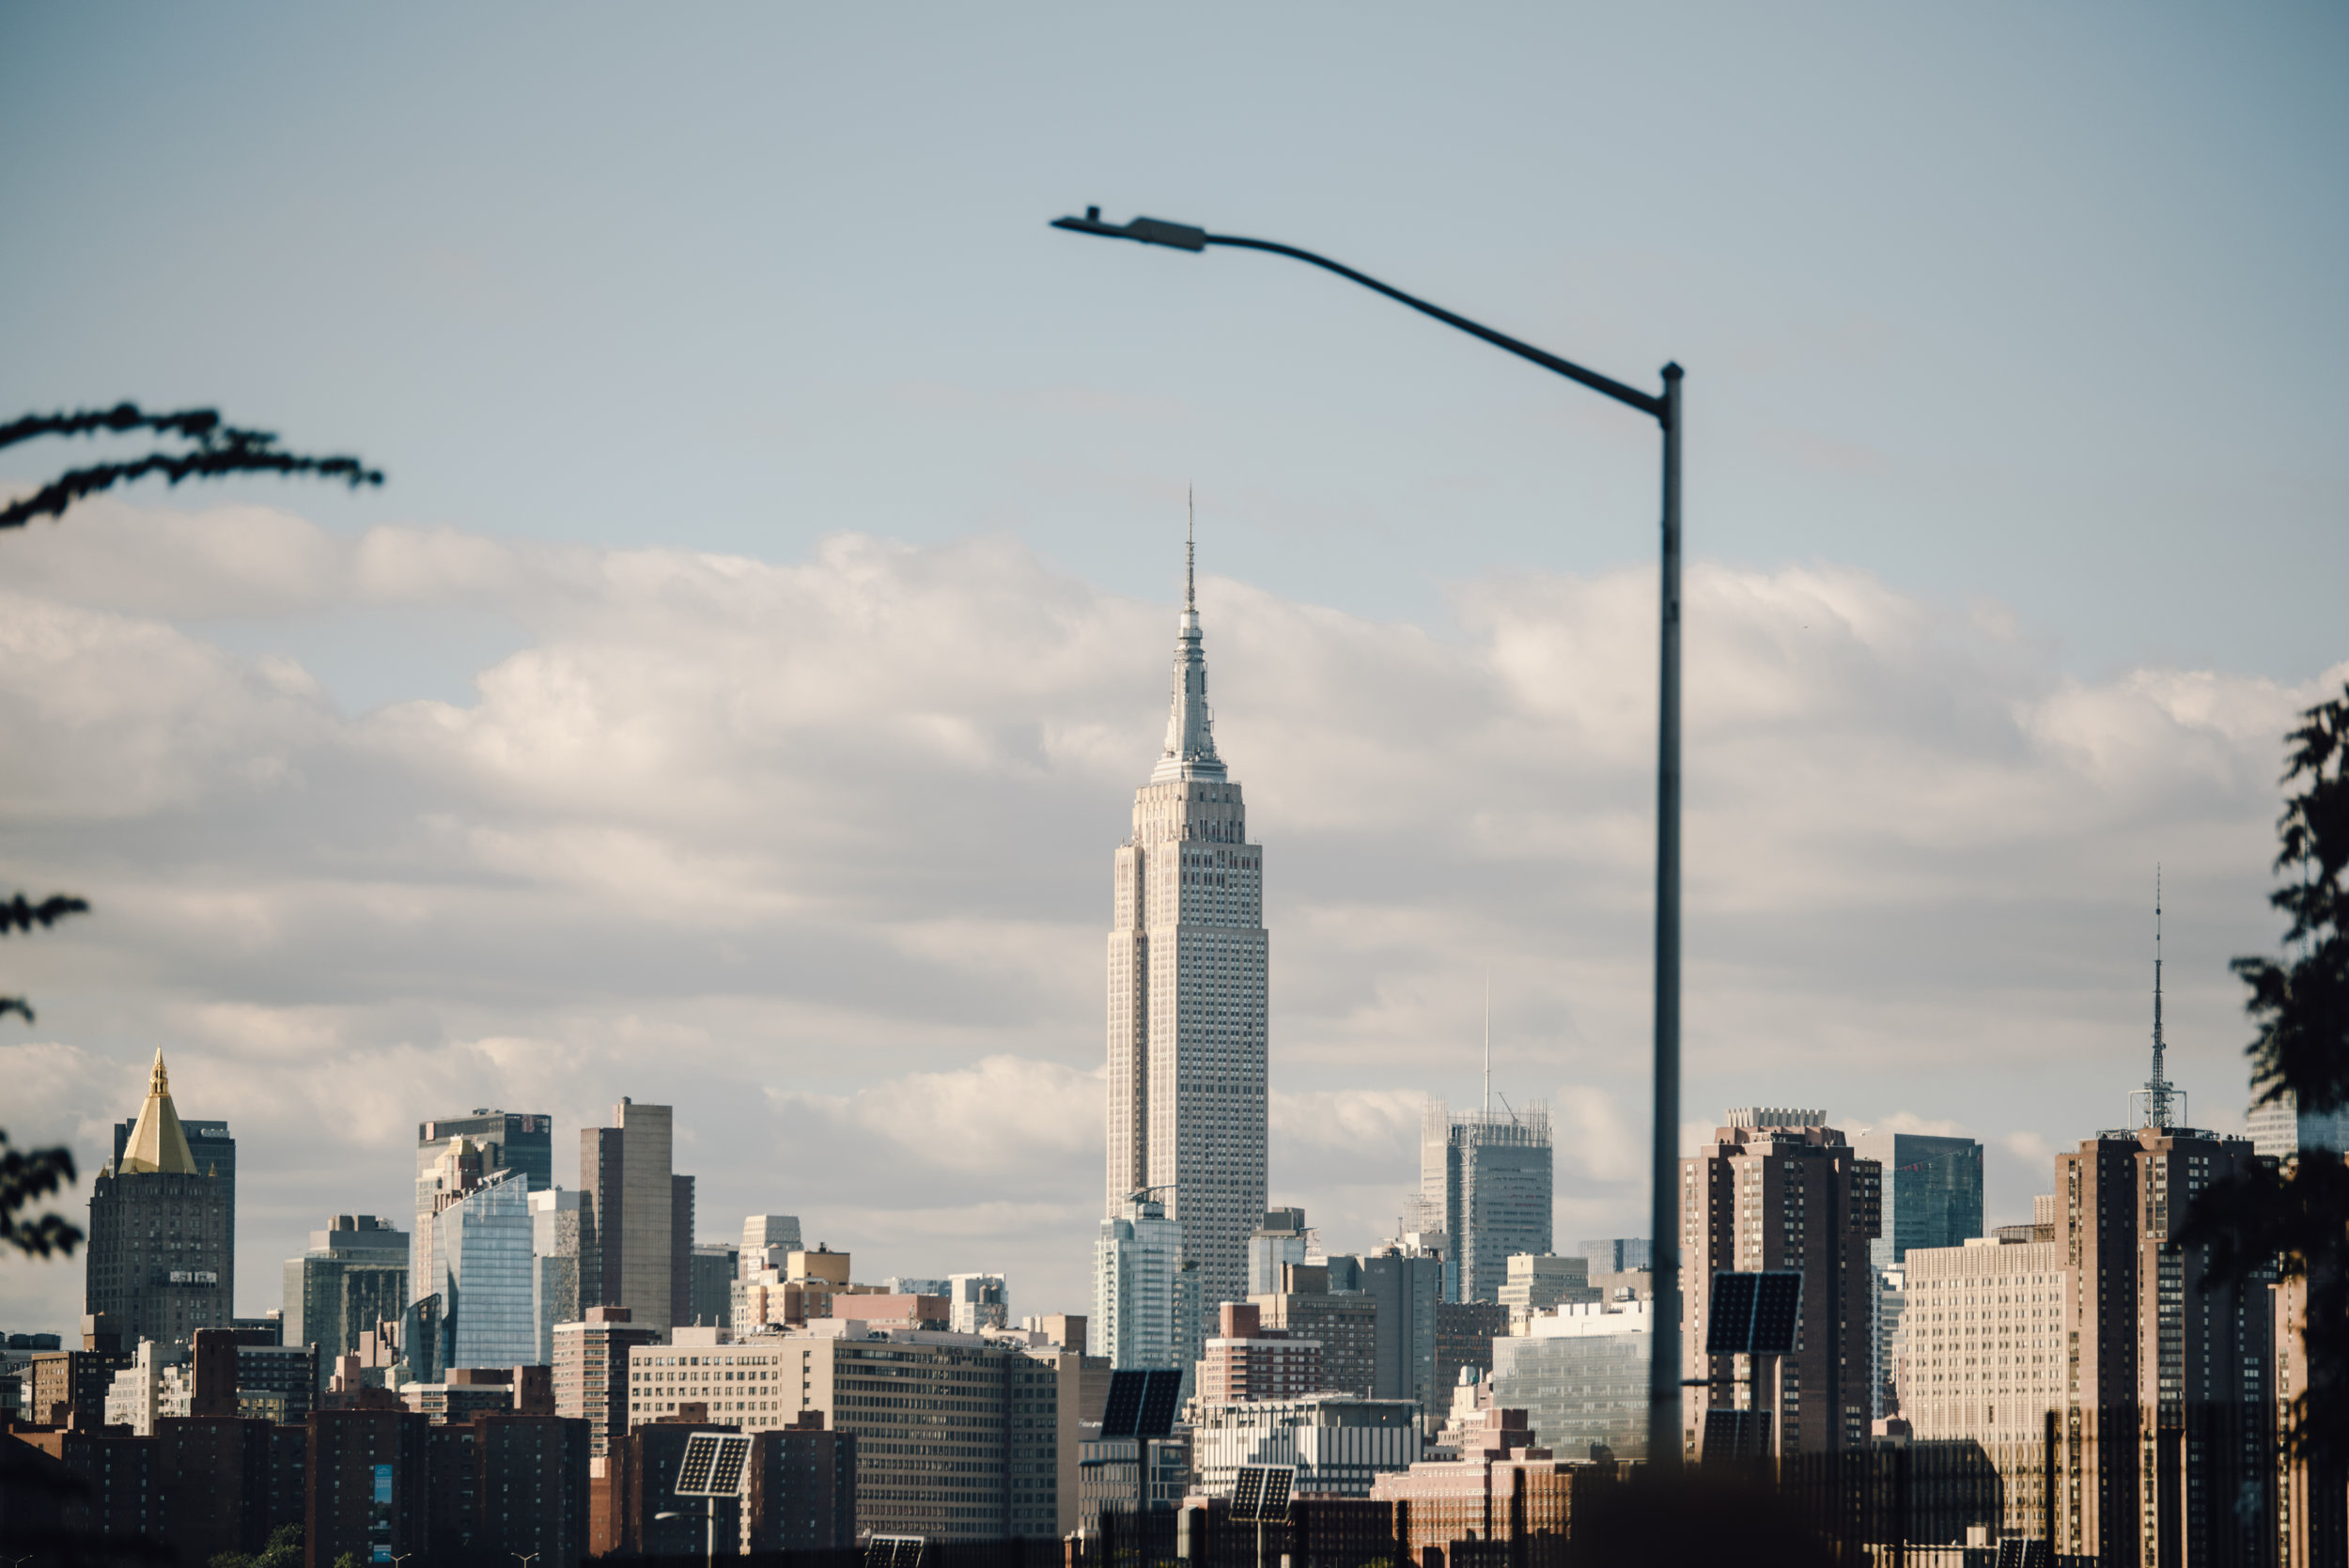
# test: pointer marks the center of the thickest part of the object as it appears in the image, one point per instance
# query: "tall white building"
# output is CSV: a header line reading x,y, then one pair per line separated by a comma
x,y
1146,1310
1186,958
2281,1128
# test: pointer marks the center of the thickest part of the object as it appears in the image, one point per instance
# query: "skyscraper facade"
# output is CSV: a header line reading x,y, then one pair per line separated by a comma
x,y
161,1260
484,1276
564,1278
504,1140
352,1281
1485,1180
2281,1129
625,1170
1779,1189
1146,1301
1932,1192
1186,971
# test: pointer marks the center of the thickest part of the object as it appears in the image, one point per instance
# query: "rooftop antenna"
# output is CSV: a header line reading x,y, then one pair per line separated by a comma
x,y
1488,1041
2159,1091
1190,549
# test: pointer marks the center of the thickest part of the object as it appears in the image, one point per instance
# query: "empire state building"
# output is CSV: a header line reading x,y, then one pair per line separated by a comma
x,y
1187,993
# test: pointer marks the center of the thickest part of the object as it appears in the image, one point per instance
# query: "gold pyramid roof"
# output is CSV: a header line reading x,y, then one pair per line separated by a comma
x,y
158,1143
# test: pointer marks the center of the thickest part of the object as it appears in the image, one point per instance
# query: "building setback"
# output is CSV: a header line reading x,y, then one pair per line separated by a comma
x,y
1780,1190
1187,975
162,1259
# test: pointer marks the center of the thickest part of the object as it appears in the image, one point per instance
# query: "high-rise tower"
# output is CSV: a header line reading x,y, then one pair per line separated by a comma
x,y
162,1259
1186,958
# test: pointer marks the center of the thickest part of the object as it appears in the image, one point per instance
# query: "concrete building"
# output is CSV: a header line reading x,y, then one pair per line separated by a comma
x,y
1338,1442
1780,1190
1405,1290
1890,1339
1246,1361
798,1494
1187,974
1465,1334
1147,1296
1543,1283
977,1302
156,1384
2160,1433
497,1140
353,1279
1985,1359
591,1372
1579,1374
507,1486
1283,1238
1343,1323
1503,1491
1486,1181
367,1486
1620,1255
625,1170
162,1258
2281,1128
565,1279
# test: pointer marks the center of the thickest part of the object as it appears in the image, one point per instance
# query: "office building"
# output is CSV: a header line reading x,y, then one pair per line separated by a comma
x,y
798,1494
1619,1256
1579,1374
1890,1340
625,1170
1932,1192
709,1284
1186,971
1343,1323
1147,1301
2162,1403
160,1261
1780,1190
1542,1283
485,1277
498,1141
680,1249
352,1280
1246,1361
591,1372
1986,1357
59,1384
1282,1238
1465,1332
565,1281
977,1302
1407,1291
155,1385
1485,1180
2281,1128
1338,1442
1005,1467
274,1382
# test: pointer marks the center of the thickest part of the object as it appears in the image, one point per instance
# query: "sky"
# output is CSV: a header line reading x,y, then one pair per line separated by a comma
x,y
733,695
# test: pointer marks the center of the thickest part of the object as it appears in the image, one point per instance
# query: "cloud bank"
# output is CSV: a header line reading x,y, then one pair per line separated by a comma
x,y
818,851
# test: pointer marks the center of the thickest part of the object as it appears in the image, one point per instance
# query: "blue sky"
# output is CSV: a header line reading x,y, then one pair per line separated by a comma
x,y
737,691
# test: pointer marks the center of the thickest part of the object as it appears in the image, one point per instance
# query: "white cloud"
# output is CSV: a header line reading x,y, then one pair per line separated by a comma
x,y
817,852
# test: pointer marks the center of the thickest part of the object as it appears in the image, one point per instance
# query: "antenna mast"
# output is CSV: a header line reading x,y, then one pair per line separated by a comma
x,y
1488,1041
1190,548
2157,1087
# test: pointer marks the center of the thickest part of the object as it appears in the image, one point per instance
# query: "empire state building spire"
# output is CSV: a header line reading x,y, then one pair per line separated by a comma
x,y
1190,750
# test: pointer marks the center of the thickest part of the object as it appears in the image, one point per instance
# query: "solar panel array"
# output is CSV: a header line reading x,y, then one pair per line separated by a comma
x,y
1755,1313
713,1464
1261,1495
1142,1402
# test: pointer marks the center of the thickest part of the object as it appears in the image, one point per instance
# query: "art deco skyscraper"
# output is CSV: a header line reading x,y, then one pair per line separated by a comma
x,y
1186,958
162,1258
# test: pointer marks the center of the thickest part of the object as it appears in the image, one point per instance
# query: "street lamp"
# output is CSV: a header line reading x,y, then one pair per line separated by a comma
x,y
1663,1384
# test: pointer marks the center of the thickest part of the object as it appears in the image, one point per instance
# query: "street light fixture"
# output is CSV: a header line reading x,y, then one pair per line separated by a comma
x,y
1664,408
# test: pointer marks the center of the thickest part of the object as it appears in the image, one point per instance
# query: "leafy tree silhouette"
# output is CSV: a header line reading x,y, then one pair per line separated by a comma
x,y
2295,1216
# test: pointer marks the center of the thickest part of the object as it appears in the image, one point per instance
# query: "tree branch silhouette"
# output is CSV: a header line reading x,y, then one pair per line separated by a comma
x,y
217,450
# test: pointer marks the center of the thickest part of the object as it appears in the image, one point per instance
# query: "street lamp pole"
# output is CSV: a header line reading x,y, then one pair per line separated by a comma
x,y
1665,409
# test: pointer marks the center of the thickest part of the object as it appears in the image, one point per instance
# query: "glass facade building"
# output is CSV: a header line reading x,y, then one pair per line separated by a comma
x,y
483,1261
1932,1192
1581,1379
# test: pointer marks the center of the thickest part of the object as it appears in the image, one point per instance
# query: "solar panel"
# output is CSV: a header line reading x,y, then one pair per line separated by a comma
x,y
1123,1412
713,1464
1261,1495
1755,1313
1162,1396
894,1551
1735,1436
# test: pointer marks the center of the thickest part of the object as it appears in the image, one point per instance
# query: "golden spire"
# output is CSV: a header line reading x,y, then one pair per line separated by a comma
x,y
158,1143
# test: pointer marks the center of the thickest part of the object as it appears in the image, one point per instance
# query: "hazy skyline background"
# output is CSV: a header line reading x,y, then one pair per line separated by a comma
x,y
734,696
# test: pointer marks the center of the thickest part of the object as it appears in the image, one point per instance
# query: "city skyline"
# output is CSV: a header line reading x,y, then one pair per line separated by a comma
x,y
750,744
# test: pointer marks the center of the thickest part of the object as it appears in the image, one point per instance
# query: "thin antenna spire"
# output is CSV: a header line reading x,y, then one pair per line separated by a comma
x,y
2158,1087
1190,548
1488,1040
